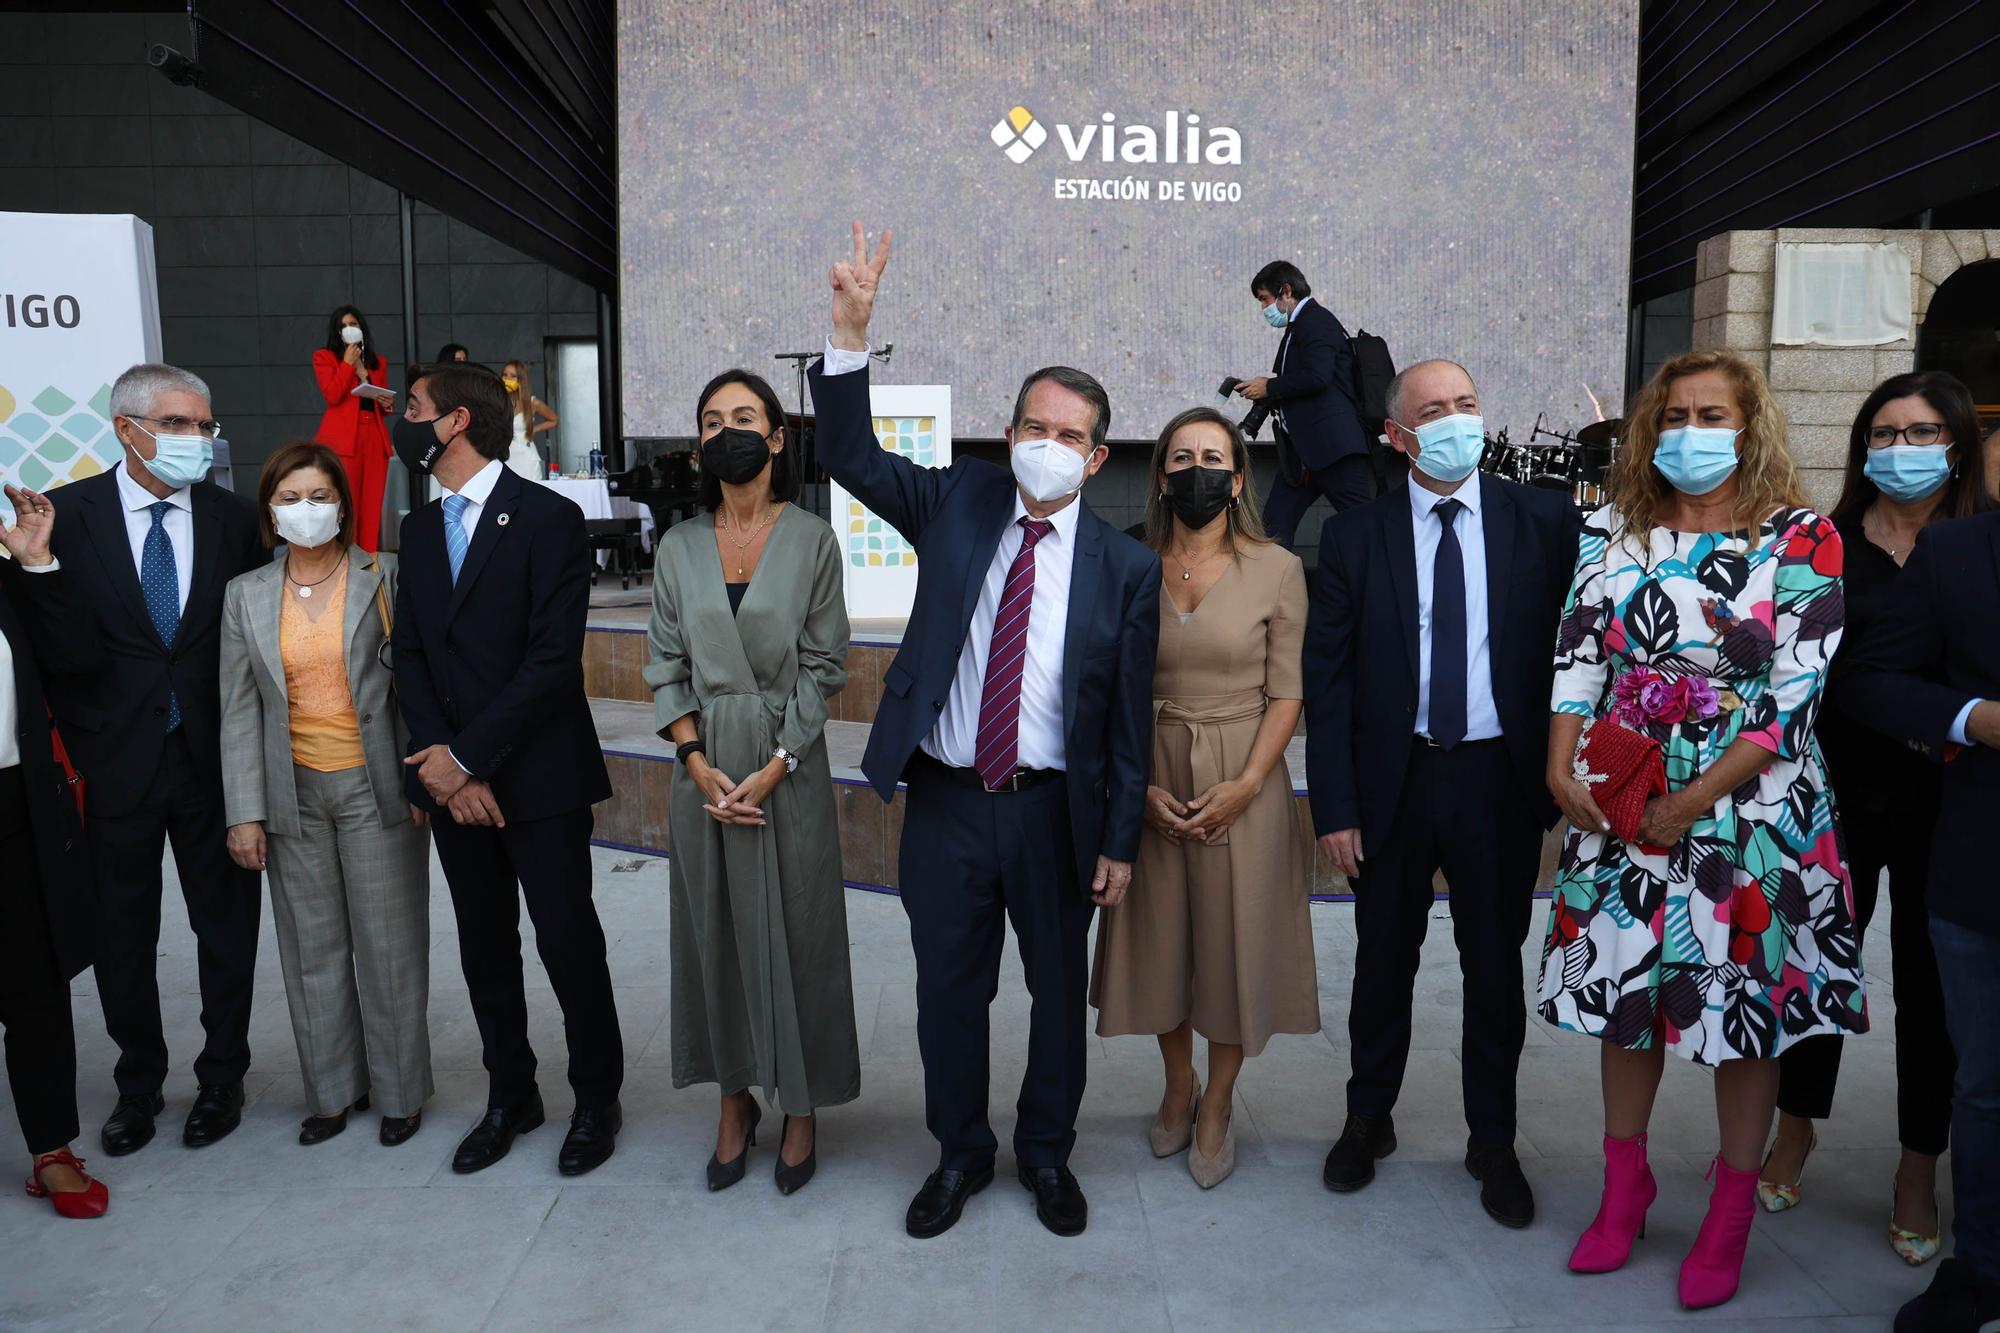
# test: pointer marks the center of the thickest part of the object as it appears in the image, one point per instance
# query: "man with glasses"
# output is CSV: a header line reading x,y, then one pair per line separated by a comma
x,y
144,552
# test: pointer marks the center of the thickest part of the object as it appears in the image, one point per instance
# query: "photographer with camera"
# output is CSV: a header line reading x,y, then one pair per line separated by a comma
x,y
1322,447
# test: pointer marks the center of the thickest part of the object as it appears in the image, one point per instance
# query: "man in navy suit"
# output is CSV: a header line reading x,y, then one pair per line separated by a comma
x,y
1928,674
492,595
1431,652
1322,446
1018,710
143,553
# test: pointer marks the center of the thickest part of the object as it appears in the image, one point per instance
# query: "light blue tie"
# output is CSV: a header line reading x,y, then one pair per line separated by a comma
x,y
160,581
455,540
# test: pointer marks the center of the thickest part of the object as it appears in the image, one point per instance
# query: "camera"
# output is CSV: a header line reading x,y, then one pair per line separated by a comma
x,y
1253,420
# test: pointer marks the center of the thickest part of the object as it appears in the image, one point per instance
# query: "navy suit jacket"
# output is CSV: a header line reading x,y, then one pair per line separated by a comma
x,y
493,666
1361,650
1315,392
1935,647
113,706
955,517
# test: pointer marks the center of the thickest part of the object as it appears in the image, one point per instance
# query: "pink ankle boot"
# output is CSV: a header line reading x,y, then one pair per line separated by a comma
x,y
1714,1266
1628,1192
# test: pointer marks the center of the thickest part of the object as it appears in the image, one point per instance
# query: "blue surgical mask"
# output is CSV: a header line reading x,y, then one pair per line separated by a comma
x,y
1275,317
1696,459
1450,447
179,460
1908,472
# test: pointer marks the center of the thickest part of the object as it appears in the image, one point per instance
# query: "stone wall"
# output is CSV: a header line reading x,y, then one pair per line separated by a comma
x,y
1819,387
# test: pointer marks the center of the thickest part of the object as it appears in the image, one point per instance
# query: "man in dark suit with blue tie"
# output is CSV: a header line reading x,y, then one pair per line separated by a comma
x,y
143,553
1430,650
1928,674
1322,445
1018,711
492,595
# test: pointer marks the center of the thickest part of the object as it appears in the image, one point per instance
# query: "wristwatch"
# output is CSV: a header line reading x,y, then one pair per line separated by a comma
x,y
791,760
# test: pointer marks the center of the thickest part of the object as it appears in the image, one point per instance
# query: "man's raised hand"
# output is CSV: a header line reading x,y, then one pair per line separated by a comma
x,y
854,284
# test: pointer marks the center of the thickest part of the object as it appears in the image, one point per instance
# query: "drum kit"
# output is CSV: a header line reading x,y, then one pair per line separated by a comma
x,y
1557,461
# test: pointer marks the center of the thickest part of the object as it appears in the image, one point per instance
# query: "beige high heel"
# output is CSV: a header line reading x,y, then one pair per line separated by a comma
x,y
1167,1142
1208,1172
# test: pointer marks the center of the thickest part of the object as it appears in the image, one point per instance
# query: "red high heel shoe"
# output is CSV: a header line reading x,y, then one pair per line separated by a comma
x,y
91,1201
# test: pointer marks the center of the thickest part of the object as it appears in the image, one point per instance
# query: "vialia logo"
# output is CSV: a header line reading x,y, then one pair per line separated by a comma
x,y
1182,136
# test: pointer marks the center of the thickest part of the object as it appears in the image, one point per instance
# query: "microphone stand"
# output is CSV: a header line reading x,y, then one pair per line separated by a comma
x,y
800,360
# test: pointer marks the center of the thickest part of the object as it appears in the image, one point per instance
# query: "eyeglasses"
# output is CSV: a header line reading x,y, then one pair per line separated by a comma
x,y
1922,432
182,425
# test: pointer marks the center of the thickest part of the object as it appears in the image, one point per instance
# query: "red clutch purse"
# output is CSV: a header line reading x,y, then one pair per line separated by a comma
x,y
1623,770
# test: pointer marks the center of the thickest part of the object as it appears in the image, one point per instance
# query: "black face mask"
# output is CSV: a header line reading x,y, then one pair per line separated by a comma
x,y
1198,494
734,456
417,444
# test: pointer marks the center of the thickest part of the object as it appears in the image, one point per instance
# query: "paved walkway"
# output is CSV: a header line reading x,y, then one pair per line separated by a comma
x,y
259,1233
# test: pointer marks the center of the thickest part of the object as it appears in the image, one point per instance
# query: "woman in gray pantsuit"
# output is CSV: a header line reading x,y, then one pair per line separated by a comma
x,y
313,787
749,640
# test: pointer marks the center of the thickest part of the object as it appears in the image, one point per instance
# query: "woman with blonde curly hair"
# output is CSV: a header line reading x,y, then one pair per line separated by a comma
x,y
1704,612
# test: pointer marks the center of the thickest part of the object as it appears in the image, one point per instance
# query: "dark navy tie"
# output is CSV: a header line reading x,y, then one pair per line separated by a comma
x,y
1447,711
160,580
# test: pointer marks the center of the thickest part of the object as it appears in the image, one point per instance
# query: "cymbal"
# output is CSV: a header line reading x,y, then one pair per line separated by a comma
x,y
1602,433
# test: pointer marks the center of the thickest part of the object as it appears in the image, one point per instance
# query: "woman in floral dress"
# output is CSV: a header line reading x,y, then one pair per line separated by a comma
x,y
1705,611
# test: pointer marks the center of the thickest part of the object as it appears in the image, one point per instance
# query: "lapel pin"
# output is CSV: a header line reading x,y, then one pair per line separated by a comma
x,y
502,520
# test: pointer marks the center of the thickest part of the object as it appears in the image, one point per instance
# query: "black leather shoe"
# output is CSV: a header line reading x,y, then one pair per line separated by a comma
x,y
400,1128
130,1127
1503,1190
1362,1143
936,1208
492,1137
1059,1199
319,1128
1957,1301
217,1111
792,1179
593,1134
721,1174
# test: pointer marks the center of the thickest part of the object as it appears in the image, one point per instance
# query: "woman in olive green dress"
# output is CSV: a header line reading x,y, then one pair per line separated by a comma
x,y
749,640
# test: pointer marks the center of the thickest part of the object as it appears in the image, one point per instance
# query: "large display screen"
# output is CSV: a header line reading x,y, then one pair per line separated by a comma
x,y
1095,184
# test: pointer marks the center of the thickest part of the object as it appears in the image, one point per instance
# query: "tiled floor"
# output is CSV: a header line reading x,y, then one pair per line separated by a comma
x,y
257,1232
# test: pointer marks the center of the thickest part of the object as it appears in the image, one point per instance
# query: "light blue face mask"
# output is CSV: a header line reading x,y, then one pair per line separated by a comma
x,y
1908,472
1696,459
1275,317
1450,447
179,460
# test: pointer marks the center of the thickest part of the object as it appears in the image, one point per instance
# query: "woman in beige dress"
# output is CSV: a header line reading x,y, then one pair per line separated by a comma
x,y
1214,935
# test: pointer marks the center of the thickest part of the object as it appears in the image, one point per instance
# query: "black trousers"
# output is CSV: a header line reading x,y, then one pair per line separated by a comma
x,y
1345,484
973,861
1925,1061
34,994
547,862
1461,812
224,902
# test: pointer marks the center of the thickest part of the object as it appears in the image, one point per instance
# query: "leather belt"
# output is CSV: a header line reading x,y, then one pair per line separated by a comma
x,y
1022,779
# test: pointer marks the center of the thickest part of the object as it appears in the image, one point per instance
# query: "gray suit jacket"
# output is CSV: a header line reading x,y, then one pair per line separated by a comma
x,y
257,782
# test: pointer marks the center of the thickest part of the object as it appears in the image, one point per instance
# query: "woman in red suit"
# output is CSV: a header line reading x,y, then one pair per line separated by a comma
x,y
353,426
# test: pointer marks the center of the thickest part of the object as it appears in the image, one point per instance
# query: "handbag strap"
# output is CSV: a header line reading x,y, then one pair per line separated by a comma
x,y
382,601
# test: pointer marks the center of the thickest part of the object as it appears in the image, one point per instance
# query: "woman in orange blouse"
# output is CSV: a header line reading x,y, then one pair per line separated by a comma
x,y
313,791
353,427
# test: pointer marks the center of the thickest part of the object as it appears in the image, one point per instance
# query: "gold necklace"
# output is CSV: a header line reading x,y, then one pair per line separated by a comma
x,y
1187,570
744,545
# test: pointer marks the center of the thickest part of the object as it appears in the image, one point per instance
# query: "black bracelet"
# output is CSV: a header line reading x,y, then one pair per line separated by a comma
x,y
686,748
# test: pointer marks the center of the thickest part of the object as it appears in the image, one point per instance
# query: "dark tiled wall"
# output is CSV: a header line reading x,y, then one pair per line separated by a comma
x,y
256,236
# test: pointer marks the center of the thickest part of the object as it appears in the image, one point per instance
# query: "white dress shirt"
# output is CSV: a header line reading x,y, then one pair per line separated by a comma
x,y
1482,719
179,523
10,708
1957,734
955,738
478,489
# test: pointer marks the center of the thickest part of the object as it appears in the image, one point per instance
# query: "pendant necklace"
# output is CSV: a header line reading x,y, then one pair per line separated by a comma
x,y
306,589
744,545
1187,570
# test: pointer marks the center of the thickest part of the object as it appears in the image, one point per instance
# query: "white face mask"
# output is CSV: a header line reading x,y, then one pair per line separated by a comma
x,y
307,523
351,335
1047,470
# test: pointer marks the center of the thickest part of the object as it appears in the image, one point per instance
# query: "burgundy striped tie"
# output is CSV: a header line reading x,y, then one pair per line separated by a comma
x,y
999,749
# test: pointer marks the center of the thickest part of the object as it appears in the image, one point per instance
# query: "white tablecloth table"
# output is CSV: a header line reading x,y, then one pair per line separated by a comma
x,y
593,496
